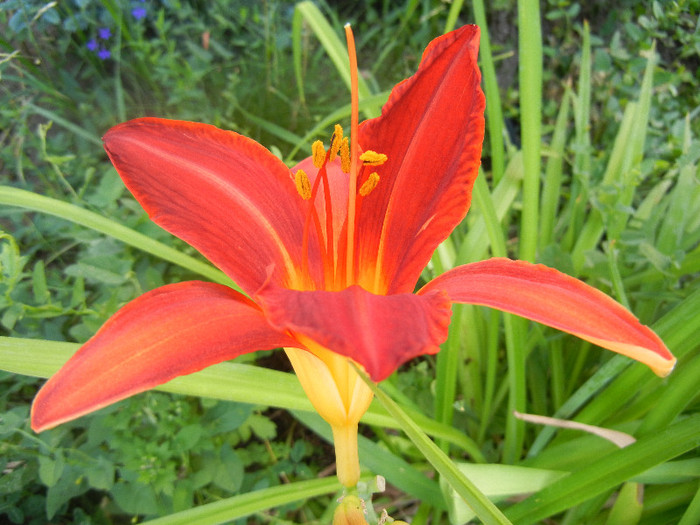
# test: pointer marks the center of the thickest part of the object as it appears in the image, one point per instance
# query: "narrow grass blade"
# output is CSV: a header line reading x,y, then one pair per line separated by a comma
x,y
530,75
673,397
483,230
297,54
225,381
621,173
60,121
691,515
679,328
494,112
499,482
480,504
247,504
581,146
608,472
32,201
335,49
551,188
452,15
326,123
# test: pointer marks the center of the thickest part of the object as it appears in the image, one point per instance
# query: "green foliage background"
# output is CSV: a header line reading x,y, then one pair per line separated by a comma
x,y
618,205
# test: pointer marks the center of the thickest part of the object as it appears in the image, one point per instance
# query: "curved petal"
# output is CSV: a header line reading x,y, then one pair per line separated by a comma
x,y
223,193
168,332
379,332
550,297
431,129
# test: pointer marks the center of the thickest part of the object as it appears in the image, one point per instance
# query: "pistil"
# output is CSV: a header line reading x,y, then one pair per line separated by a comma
x,y
354,136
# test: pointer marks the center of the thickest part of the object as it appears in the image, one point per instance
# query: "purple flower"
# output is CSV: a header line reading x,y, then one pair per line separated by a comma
x,y
92,44
104,54
104,33
138,13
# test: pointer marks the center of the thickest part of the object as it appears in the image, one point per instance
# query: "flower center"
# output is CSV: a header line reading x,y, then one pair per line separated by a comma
x,y
339,147
336,276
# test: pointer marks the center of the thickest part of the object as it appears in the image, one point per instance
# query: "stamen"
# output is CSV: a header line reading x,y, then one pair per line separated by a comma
x,y
372,158
319,153
369,184
336,142
303,184
345,155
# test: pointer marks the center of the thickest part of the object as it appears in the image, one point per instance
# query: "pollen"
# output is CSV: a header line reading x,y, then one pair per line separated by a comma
x,y
372,158
336,142
369,184
345,155
303,184
319,153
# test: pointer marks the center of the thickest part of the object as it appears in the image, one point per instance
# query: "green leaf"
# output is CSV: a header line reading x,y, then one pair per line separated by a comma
x,y
51,469
335,49
229,470
26,199
246,504
609,471
498,482
628,506
226,381
478,502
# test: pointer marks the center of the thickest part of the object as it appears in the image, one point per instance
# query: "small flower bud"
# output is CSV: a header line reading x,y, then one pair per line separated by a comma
x,y
350,511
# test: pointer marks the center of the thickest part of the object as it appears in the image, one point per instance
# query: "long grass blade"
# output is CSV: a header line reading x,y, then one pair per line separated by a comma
x,y
32,201
247,504
480,504
608,472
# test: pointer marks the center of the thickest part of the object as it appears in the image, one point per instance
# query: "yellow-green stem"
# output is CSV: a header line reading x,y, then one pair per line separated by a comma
x,y
347,459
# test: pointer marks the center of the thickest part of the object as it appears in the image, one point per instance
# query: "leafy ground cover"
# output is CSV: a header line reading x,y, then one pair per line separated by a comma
x,y
589,166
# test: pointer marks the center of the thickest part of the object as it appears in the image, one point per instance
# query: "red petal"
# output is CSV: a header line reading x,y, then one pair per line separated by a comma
x,y
432,129
223,193
168,332
550,297
379,332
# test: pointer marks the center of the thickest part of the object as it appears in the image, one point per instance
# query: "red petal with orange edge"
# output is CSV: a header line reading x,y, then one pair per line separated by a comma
x,y
223,193
168,332
379,332
432,129
550,297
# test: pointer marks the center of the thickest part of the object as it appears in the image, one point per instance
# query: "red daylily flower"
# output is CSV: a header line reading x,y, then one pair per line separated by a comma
x,y
328,253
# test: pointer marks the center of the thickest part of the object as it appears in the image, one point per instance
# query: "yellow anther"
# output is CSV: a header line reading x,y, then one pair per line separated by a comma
x,y
345,155
303,184
319,153
369,184
336,141
372,158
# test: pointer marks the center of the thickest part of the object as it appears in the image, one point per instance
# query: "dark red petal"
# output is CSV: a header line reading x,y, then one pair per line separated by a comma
x,y
550,297
432,129
168,332
378,332
223,193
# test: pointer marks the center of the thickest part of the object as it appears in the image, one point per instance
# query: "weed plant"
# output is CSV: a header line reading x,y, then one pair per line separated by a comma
x,y
590,166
